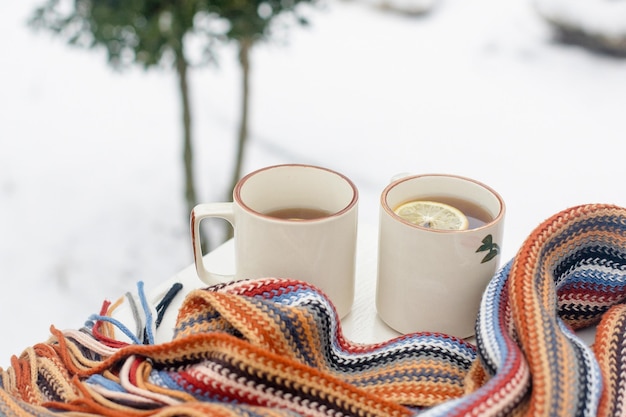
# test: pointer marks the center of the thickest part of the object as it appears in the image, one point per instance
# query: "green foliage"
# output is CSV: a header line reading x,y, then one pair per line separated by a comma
x,y
253,19
152,32
132,31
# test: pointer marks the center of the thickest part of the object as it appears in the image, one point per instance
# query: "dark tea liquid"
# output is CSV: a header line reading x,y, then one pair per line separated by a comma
x,y
477,216
298,213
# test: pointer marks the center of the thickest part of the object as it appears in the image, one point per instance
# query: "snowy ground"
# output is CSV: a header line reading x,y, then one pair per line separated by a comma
x,y
90,167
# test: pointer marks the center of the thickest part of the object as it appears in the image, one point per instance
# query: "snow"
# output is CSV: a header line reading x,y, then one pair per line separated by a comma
x,y
90,159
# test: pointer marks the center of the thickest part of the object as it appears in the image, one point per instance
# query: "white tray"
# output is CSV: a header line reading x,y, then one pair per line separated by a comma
x,y
362,324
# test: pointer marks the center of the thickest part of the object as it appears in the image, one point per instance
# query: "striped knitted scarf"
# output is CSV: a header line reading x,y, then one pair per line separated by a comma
x,y
275,347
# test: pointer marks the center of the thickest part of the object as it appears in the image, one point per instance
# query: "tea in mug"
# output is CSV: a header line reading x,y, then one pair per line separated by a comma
x,y
456,213
298,213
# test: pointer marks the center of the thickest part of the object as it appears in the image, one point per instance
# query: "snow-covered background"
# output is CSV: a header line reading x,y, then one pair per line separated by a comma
x,y
90,165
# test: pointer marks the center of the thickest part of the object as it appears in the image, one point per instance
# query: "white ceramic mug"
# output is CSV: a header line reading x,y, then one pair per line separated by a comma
x,y
321,251
432,280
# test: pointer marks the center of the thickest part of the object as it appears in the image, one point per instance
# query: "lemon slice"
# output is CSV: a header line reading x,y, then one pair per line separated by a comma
x,y
433,215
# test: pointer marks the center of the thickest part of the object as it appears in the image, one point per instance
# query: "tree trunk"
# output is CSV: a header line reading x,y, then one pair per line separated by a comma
x,y
183,84
245,45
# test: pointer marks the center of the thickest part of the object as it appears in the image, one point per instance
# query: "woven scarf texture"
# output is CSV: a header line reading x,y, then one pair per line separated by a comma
x,y
274,347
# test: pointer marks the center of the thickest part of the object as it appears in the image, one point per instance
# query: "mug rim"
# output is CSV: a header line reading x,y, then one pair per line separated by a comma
x,y
238,199
393,184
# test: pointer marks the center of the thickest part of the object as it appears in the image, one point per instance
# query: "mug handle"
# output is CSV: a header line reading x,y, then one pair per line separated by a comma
x,y
199,213
399,176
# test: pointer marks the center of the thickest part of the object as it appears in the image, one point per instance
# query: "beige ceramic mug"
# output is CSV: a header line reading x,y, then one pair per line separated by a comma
x,y
290,221
432,280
